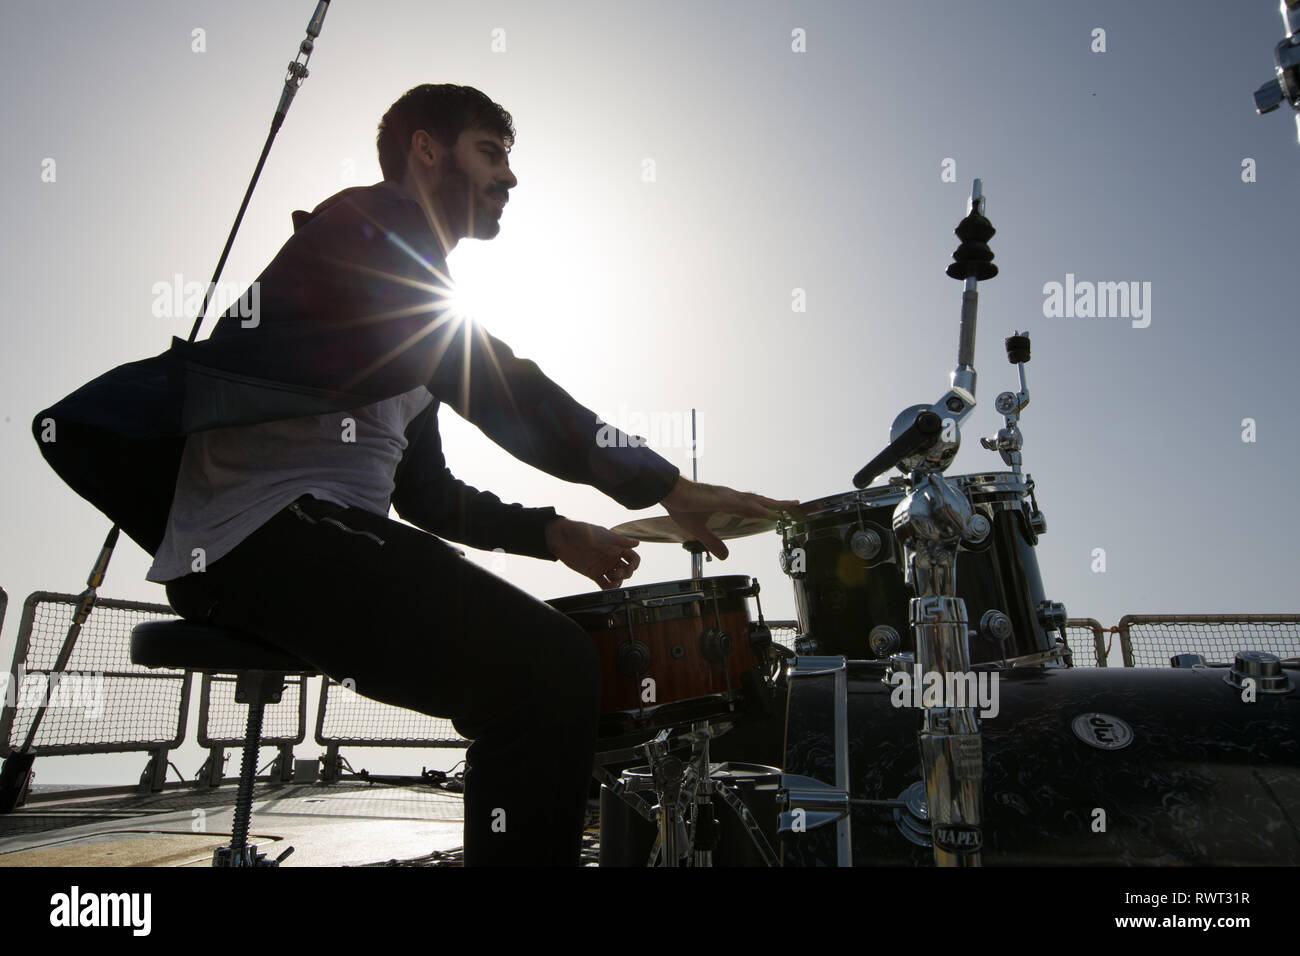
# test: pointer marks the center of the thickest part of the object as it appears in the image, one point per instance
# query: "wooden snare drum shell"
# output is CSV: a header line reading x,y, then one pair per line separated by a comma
x,y
678,666
667,623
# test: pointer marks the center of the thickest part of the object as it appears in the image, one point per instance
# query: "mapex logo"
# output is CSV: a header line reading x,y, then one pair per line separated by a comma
x,y
957,837
76,909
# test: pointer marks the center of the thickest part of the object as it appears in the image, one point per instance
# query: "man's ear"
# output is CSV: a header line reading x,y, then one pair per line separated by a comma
x,y
424,148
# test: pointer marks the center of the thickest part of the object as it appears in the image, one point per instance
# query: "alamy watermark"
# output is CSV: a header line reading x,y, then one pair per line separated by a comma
x,y
1102,300
74,908
65,689
178,299
957,689
639,429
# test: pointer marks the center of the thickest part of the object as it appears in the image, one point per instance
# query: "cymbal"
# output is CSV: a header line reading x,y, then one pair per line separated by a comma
x,y
664,530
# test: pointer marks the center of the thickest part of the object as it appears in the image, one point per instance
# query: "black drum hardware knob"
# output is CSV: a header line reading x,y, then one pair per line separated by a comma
x,y
805,645
884,641
865,543
788,564
912,816
977,529
667,774
760,638
716,645
973,257
632,658
1052,615
995,626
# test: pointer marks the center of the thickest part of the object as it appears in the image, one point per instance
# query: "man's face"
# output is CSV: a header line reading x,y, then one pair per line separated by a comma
x,y
472,185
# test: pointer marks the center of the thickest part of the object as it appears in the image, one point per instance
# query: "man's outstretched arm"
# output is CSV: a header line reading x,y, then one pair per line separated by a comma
x,y
522,410
430,497
515,404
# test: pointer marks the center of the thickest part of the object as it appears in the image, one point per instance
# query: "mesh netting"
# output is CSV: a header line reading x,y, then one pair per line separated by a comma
x,y
784,632
1081,635
223,723
1149,640
101,702
348,718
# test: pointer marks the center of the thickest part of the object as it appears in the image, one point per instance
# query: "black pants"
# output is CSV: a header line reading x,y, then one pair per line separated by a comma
x,y
416,625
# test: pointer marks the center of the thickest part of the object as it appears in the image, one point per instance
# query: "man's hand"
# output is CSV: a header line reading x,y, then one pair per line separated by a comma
x,y
690,504
600,554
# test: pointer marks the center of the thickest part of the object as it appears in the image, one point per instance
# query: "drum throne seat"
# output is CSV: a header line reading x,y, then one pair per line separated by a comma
x,y
260,670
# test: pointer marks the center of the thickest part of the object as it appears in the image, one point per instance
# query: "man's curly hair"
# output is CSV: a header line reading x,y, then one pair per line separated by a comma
x,y
444,111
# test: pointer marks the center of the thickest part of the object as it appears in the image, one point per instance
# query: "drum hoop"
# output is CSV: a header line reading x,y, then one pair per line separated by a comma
x,y
979,484
658,594
848,502
1002,483
1055,652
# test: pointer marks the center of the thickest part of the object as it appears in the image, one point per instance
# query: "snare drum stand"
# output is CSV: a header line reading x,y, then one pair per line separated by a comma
x,y
683,839
676,784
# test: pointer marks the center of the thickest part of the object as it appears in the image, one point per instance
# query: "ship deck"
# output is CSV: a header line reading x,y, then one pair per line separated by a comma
x,y
345,823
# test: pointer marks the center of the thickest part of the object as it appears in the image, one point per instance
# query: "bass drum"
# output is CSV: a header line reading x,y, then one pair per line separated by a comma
x,y
1081,767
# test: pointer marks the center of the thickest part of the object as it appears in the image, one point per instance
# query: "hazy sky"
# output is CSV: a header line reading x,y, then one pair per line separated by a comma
x,y
773,171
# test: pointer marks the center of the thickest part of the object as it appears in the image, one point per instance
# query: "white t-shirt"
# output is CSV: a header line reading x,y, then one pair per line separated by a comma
x,y
233,480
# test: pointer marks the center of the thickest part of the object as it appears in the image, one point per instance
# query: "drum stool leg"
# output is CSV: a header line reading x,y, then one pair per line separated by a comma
x,y
257,689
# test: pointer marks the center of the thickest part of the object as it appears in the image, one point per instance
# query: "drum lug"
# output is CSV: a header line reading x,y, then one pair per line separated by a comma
x,y
760,642
865,543
884,641
632,658
977,529
805,645
808,804
1052,615
793,562
995,626
716,645
912,816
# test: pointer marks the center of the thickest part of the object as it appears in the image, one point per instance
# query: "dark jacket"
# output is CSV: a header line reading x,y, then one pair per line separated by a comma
x,y
349,315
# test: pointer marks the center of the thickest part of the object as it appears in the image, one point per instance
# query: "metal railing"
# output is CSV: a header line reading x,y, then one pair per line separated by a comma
x,y
1081,632
1149,640
103,703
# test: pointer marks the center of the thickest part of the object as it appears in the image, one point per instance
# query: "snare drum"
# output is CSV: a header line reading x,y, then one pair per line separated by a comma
x,y
851,595
671,653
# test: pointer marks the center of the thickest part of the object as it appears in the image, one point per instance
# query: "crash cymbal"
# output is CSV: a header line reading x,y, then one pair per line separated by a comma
x,y
663,530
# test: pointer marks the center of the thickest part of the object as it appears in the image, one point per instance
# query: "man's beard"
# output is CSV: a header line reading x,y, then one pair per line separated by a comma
x,y
466,212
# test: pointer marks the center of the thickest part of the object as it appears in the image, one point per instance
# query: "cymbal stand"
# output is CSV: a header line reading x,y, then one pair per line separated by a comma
x,y
932,523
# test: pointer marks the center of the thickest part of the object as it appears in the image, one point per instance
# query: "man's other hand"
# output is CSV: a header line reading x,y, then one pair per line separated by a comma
x,y
600,554
690,504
